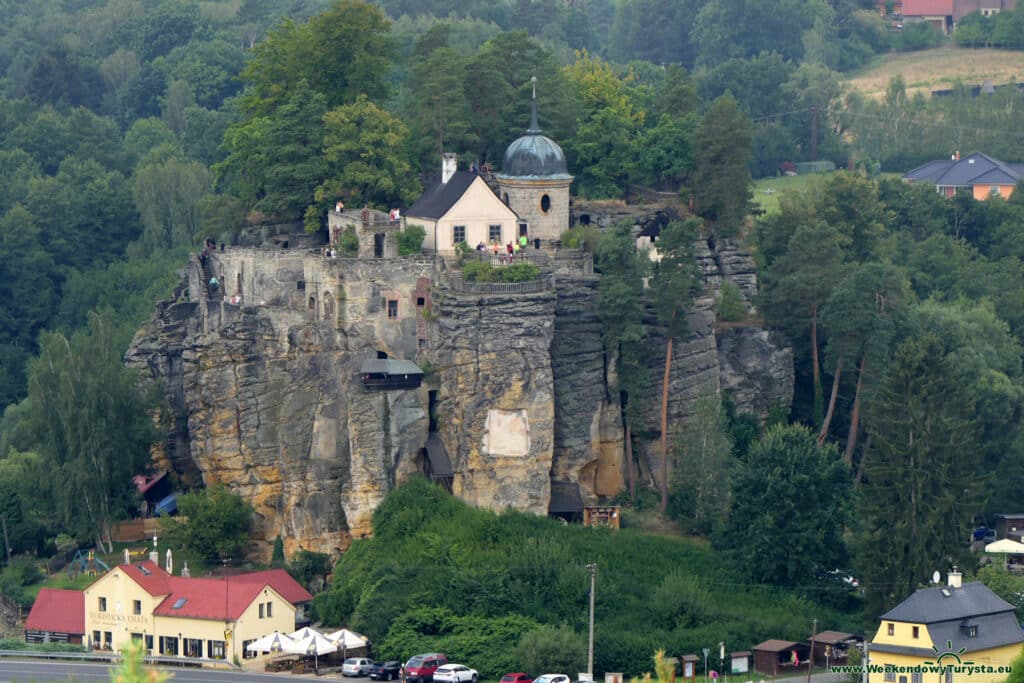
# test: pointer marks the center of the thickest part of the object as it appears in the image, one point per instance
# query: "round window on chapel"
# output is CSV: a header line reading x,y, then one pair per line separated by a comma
x,y
545,203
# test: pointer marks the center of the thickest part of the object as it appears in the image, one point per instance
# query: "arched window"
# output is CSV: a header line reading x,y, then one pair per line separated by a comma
x,y
312,303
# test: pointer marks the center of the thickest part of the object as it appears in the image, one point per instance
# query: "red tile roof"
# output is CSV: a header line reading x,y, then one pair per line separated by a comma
x,y
208,598
918,8
149,575
281,581
211,597
226,597
57,611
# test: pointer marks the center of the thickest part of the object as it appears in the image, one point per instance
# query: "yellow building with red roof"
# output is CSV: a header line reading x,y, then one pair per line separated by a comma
x,y
204,617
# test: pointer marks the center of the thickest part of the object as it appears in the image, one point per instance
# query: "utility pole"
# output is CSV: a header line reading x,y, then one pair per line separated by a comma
x,y
7,542
592,568
814,132
707,651
864,663
810,659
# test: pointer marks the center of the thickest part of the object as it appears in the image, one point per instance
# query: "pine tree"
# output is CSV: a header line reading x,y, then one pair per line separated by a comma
x,y
722,182
621,309
673,285
922,485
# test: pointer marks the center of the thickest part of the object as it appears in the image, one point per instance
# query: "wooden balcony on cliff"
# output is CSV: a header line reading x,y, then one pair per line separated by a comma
x,y
389,375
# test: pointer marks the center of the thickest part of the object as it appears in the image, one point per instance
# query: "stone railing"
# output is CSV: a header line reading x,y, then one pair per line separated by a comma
x,y
543,284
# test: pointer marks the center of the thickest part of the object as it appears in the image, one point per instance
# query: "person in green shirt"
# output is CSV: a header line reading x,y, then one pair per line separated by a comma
x,y
523,241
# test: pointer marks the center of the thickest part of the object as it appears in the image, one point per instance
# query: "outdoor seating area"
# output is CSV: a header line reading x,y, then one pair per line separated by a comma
x,y
304,650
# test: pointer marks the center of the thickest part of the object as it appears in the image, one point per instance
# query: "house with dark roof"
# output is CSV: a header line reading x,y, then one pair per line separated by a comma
x,y
208,617
57,616
944,15
461,207
977,173
954,625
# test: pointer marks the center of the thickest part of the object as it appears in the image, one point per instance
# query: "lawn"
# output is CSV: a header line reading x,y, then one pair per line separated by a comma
x,y
937,69
60,580
767,190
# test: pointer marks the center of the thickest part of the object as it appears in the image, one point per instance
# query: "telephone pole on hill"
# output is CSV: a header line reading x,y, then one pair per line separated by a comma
x,y
814,132
592,568
7,542
810,658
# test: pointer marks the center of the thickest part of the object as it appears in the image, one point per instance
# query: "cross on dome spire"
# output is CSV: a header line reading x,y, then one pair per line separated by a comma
x,y
534,125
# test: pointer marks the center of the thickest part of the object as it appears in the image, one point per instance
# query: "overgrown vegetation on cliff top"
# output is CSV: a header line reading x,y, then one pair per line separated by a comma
x,y
439,575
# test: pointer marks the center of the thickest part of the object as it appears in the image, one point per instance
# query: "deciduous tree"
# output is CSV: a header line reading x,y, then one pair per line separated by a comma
x,y
791,503
365,155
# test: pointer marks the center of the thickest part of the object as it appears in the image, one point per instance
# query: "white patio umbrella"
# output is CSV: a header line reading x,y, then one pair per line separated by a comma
x,y
348,640
303,633
1006,546
315,644
275,642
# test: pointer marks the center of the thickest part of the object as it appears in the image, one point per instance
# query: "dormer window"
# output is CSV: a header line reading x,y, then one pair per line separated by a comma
x,y
972,631
915,631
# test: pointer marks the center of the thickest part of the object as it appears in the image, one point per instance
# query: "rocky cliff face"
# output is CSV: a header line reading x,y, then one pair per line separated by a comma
x,y
269,400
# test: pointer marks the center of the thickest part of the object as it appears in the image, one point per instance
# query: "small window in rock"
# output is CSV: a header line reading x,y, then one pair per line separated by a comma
x,y
545,203
420,301
300,285
392,308
382,355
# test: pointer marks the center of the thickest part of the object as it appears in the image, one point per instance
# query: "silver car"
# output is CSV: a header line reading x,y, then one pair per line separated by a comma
x,y
356,666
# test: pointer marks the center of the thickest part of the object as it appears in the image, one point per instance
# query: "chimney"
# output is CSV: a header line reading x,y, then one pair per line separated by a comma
x,y
956,155
955,579
154,556
449,164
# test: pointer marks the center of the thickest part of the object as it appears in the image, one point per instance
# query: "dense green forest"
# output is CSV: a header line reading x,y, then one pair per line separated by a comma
x,y
130,130
509,591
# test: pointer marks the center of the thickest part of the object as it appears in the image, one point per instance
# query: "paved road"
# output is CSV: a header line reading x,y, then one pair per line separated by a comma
x,y
48,671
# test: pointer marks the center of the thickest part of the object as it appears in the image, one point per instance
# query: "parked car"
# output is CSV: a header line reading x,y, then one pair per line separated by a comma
x,y
385,671
552,678
421,668
356,666
516,678
455,673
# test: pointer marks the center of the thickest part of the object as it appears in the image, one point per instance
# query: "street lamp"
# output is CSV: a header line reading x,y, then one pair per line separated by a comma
x,y
592,568
707,651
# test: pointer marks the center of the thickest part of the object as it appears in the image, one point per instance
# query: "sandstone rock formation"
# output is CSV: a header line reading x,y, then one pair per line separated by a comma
x,y
268,399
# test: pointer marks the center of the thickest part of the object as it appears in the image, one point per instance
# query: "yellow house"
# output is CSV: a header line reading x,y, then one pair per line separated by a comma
x,y
941,634
209,618
461,207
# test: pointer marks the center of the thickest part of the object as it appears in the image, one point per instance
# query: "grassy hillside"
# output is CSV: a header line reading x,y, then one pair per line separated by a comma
x,y
938,68
440,575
